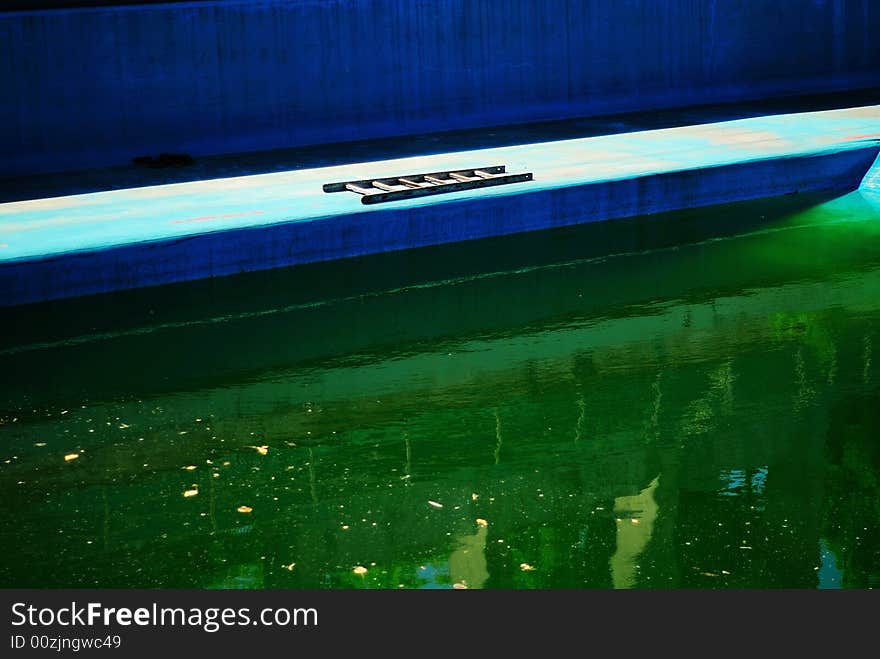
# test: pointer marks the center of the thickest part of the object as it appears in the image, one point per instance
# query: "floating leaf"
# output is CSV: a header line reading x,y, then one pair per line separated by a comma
x,y
360,569
459,585
40,444
474,496
525,567
290,567
244,509
634,520
482,522
435,504
190,493
71,456
189,467
709,574
262,450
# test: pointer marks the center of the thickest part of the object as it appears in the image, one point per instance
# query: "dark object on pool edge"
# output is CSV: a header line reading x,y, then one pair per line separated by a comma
x,y
165,160
375,191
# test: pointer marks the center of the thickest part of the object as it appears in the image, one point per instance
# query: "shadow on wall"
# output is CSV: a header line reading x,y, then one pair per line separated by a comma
x,y
94,87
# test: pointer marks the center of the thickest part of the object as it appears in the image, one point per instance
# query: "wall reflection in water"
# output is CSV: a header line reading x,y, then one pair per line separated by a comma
x,y
683,401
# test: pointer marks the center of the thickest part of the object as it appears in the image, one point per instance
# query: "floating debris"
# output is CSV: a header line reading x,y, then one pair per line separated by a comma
x,y
709,574
360,569
189,467
459,585
525,567
482,522
634,520
244,509
474,496
435,504
262,450
40,444
71,456
289,567
191,493
123,426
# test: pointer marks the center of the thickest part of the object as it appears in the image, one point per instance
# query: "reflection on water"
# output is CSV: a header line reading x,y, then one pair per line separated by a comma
x,y
635,523
687,400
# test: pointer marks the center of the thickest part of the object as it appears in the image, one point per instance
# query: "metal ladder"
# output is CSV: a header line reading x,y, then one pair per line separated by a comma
x,y
376,191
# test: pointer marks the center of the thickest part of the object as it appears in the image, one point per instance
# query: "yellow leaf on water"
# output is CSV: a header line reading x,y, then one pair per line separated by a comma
x,y
634,520
435,504
71,456
189,467
525,567
482,522
474,496
190,493
289,567
244,509
709,574
360,569
262,450
40,444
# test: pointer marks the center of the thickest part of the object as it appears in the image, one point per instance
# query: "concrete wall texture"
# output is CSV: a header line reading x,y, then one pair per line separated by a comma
x,y
98,86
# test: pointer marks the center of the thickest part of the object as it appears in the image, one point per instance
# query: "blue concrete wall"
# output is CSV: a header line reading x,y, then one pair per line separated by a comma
x,y
96,86
358,233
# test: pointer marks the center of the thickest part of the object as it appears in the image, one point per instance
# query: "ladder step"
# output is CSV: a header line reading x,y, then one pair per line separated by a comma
x,y
438,181
388,188
359,189
415,184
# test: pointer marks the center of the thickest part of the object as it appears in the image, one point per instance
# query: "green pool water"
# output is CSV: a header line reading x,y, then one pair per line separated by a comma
x,y
683,401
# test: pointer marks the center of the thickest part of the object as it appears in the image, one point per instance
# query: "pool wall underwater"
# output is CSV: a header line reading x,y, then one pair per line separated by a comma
x,y
232,76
